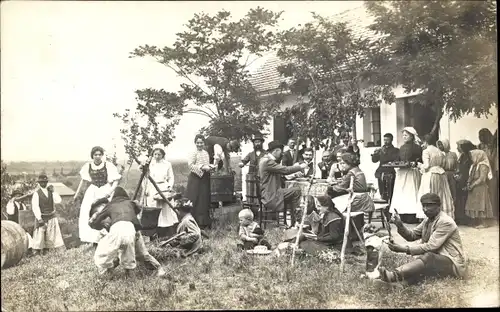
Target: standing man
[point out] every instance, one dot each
(274, 197)
(218, 149)
(288, 156)
(253, 158)
(326, 164)
(47, 234)
(386, 176)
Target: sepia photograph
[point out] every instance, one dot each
(249, 155)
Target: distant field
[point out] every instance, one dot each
(129, 181)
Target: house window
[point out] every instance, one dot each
(376, 135)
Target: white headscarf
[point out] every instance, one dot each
(479, 157)
(414, 133)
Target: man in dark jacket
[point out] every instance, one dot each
(289, 158)
(119, 217)
(218, 149)
(386, 176)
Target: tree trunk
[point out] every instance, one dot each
(435, 128)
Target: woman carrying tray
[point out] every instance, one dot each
(407, 182)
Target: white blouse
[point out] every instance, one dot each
(162, 172)
(111, 169)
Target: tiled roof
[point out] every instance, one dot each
(267, 78)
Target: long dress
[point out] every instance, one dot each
(490, 151)
(478, 204)
(450, 166)
(361, 200)
(162, 173)
(434, 180)
(198, 188)
(463, 168)
(100, 177)
(405, 195)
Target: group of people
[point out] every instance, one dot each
(436, 179)
(467, 185)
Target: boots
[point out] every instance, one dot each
(407, 272)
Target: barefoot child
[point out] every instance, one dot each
(250, 232)
(124, 239)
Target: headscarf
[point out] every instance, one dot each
(350, 159)
(466, 145)
(479, 157)
(160, 147)
(446, 145)
(413, 132)
(486, 135)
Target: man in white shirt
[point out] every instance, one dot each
(14, 206)
(309, 170)
(47, 234)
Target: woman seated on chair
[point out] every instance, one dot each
(330, 230)
(339, 192)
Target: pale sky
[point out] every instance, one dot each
(65, 69)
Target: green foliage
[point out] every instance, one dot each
(447, 49)
(212, 58)
(328, 68)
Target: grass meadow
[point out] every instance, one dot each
(225, 278)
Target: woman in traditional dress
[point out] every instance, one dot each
(103, 178)
(434, 179)
(161, 171)
(478, 206)
(198, 185)
(461, 177)
(339, 192)
(488, 145)
(330, 229)
(405, 195)
(450, 166)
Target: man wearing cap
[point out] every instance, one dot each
(218, 149)
(47, 234)
(440, 252)
(274, 197)
(14, 206)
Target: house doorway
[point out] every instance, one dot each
(419, 116)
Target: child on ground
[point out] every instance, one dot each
(250, 232)
(123, 239)
(188, 239)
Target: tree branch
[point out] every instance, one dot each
(199, 112)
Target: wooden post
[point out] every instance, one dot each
(347, 225)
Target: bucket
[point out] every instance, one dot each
(149, 217)
(221, 188)
(251, 191)
(14, 243)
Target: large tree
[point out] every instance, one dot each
(212, 57)
(327, 67)
(446, 49)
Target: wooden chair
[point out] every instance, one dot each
(265, 216)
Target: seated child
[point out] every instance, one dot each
(189, 239)
(123, 239)
(250, 232)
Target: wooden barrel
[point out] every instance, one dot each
(251, 191)
(14, 243)
(221, 188)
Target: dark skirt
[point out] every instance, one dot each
(198, 192)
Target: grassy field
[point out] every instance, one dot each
(225, 278)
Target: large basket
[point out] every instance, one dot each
(221, 188)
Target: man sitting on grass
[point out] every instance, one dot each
(123, 239)
(440, 251)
